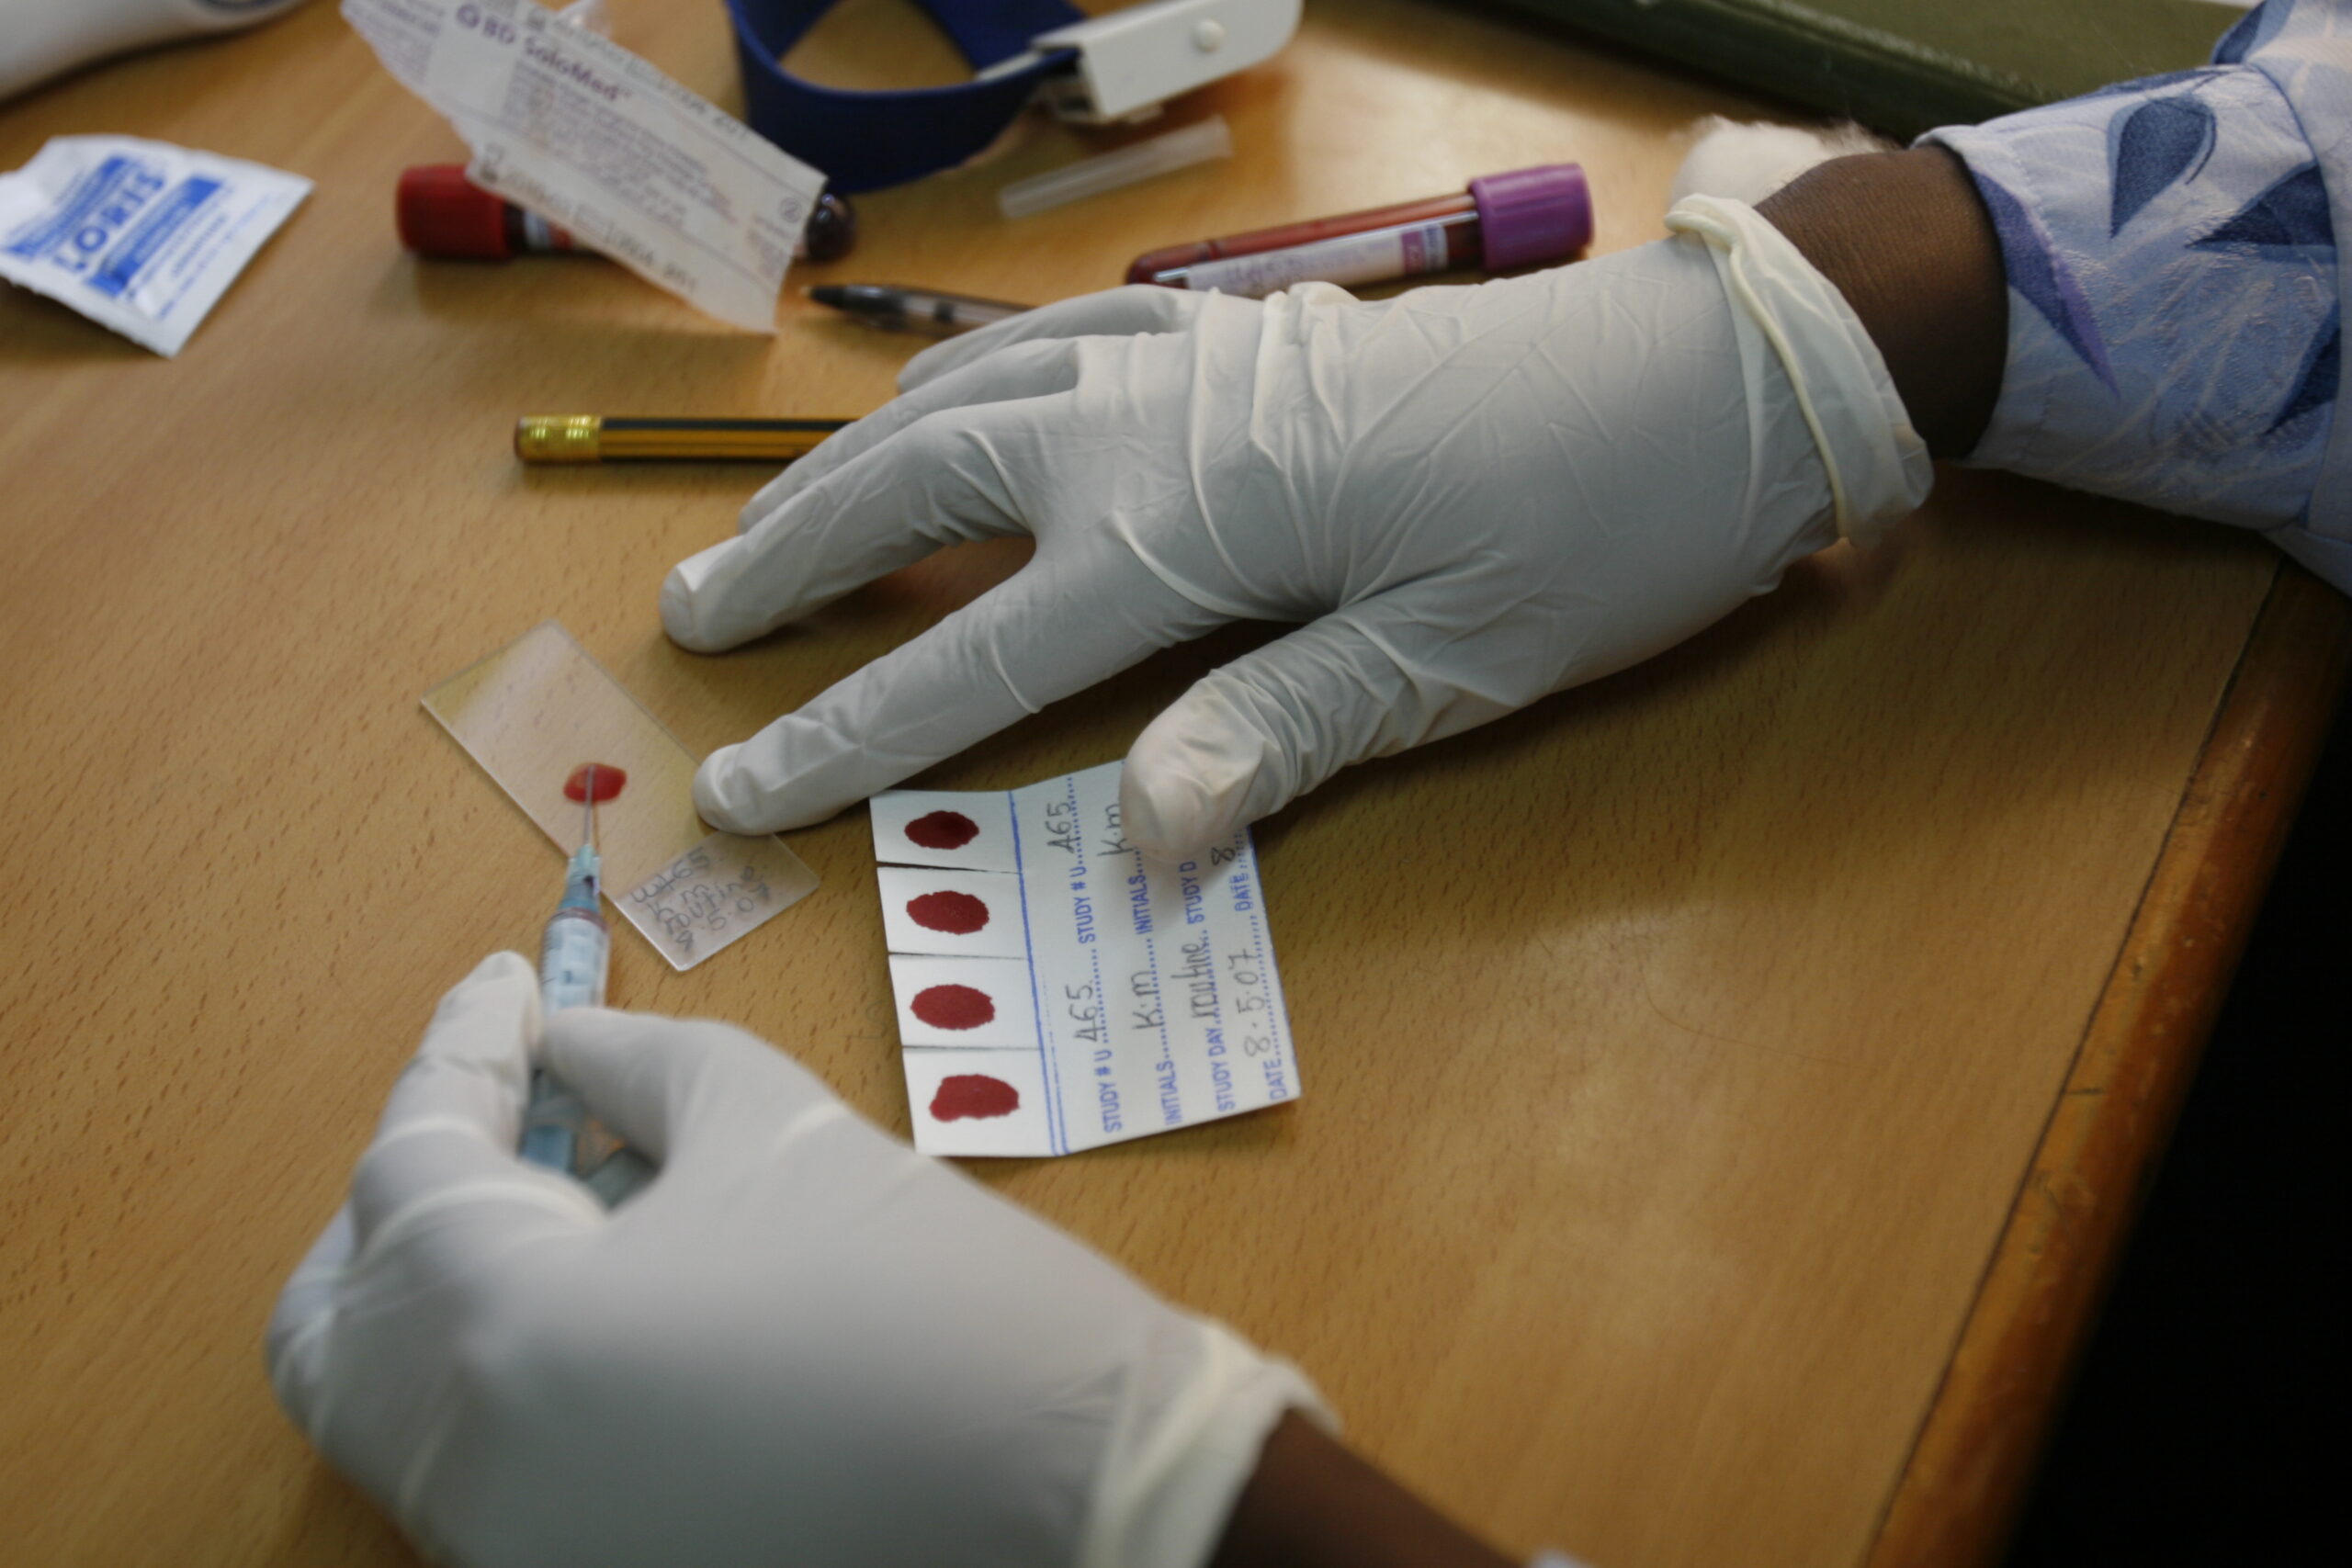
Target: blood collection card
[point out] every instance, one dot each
(1055, 990)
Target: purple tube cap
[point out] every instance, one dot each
(1528, 216)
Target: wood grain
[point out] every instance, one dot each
(1671, 1051)
(1967, 1476)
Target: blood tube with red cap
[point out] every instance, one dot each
(441, 213)
(1525, 217)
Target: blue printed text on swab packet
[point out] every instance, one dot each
(138, 236)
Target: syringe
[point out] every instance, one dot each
(574, 953)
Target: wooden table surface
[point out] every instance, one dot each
(1676, 1053)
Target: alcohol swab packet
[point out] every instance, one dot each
(142, 237)
(1058, 991)
(572, 127)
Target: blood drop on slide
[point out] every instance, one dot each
(975, 1095)
(953, 1007)
(957, 914)
(609, 782)
(942, 830)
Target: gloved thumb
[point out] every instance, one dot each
(1250, 738)
(687, 1094)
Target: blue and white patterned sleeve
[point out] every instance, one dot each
(2175, 308)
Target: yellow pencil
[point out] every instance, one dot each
(592, 438)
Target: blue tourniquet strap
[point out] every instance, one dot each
(867, 141)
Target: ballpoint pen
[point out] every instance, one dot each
(897, 309)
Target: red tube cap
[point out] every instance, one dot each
(440, 214)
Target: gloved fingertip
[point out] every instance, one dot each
(294, 1357)
(503, 981)
(686, 601)
(584, 1024)
(502, 967)
(293, 1346)
(590, 1033)
(723, 796)
(636, 1072)
(1188, 785)
(1169, 820)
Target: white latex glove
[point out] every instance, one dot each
(1474, 497)
(39, 39)
(802, 1343)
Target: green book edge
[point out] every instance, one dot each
(1903, 67)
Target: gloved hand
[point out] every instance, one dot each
(40, 39)
(1472, 496)
(803, 1343)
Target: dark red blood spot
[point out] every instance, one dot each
(957, 914)
(942, 830)
(974, 1095)
(609, 782)
(953, 1007)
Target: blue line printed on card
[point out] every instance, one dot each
(1028, 945)
(1221, 1032)
(1102, 1005)
(1036, 993)
(1279, 1005)
(1102, 1000)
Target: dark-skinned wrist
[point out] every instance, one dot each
(1312, 1503)
(1906, 241)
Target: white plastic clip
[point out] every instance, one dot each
(1133, 60)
